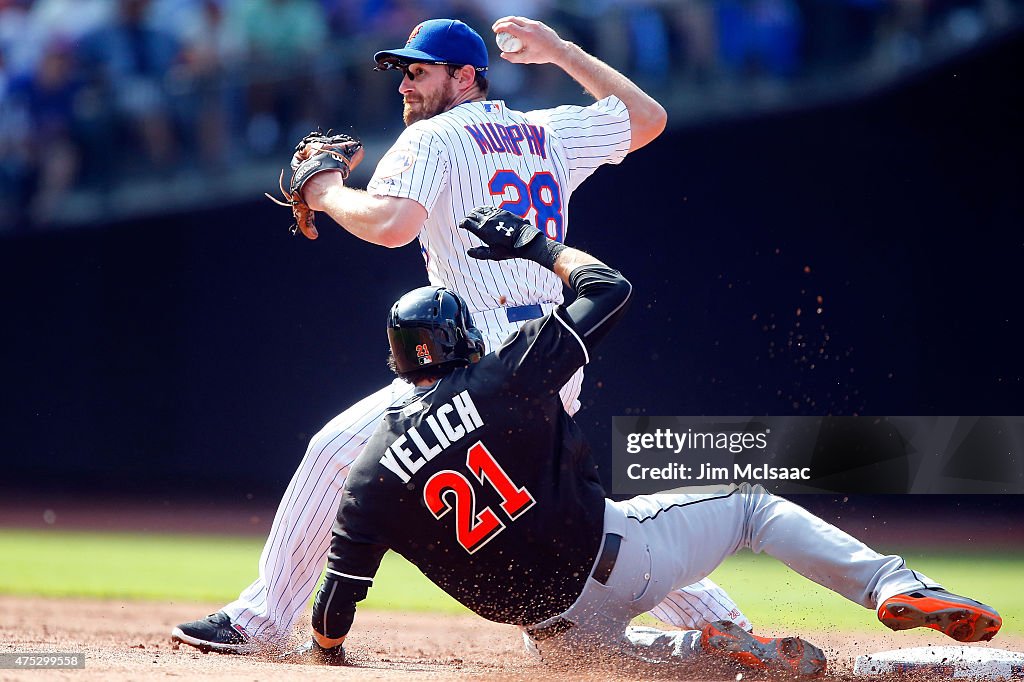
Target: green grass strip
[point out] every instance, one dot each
(215, 569)
(173, 568)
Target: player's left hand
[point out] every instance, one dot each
(316, 153)
(311, 652)
(541, 45)
(505, 234)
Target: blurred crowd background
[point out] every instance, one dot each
(114, 108)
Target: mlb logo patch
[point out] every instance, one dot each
(492, 107)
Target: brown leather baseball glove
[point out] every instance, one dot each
(315, 153)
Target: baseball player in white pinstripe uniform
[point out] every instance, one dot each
(459, 150)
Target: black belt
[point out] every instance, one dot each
(602, 571)
(606, 562)
(519, 313)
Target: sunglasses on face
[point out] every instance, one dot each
(403, 66)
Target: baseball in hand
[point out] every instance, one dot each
(508, 42)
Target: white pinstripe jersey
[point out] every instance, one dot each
(482, 153)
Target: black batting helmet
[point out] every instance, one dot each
(431, 327)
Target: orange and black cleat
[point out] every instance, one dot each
(781, 654)
(963, 619)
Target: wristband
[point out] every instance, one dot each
(543, 251)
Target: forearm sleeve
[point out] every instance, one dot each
(602, 295)
(335, 606)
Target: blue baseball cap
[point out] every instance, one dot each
(438, 41)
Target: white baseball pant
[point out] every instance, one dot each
(669, 540)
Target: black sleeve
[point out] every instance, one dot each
(545, 352)
(335, 606)
(602, 295)
(352, 560)
(350, 570)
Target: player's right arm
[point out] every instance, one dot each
(601, 292)
(541, 45)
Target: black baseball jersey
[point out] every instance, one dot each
(483, 481)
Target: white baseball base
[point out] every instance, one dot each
(958, 662)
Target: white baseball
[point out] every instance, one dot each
(508, 42)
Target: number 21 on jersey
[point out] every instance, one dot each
(447, 490)
(541, 194)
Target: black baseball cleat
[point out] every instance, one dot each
(963, 619)
(726, 640)
(213, 633)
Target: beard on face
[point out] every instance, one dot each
(430, 104)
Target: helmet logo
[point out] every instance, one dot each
(415, 32)
(423, 354)
(507, 230)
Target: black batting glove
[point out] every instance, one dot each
(506, 236)
(311, 651)
(332, 656)
(504, 233)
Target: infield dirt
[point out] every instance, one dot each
(124, 640)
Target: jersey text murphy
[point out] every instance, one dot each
(494, 137)
(401, 460)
